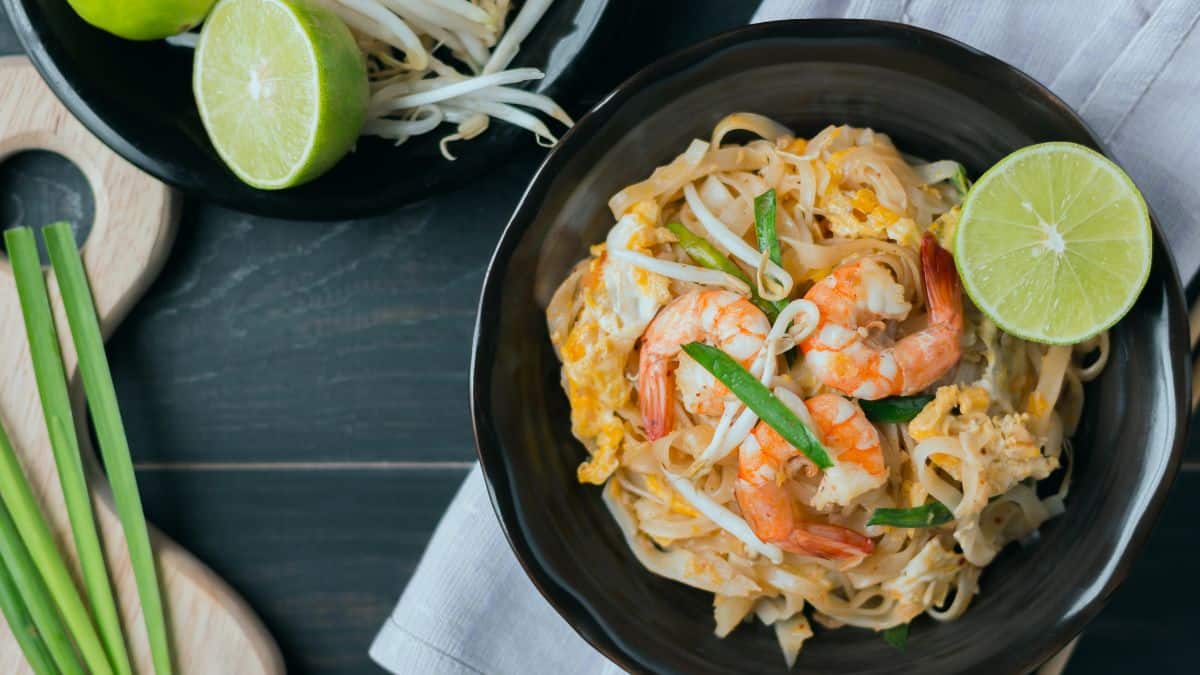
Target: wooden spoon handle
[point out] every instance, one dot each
(213, 631)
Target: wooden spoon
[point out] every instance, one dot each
(213, 631)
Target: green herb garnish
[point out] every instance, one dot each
(764, 226)
(29, 609)
(930, 514)
(110, 431)
(60, 422)
(895, 409)
(39, 542)
(703, 253)
(896, 636)
(759, 399)
(960, 181)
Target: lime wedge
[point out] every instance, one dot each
(281, 87)
(142, 19)
(1054, 243)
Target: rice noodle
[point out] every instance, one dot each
(999, 423)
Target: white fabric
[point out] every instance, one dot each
(470, 609)
(1132, 69)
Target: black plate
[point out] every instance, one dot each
(936, 98)
(137, 98)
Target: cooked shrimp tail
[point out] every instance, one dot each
(943, 291)
(655, 383)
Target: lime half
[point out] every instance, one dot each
(1054, 243)
(142, 19)
(281, 87)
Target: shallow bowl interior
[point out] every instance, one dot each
(936, 99)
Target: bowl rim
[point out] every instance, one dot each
(487, 443)
(46, 55)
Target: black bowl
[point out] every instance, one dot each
(137, 98)
(936, 98)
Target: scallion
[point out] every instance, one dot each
(21, 503)
(110, 431)
(930, 514)
(960, 181)
(703, 253)
(764, 226)
(29, 609)
(896, 636)
(760, 400)
(895, 409)
(56, 407)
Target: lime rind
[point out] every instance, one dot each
(333, 90)
(984, 243)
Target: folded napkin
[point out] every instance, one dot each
(1129, 67)
(470, 608)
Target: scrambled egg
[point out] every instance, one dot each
(934, 569)
(1002, 446)
(676, 504)
(618, 301)
(860, 215)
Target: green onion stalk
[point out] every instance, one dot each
(110, 431)
(60, 423)
(22, 505)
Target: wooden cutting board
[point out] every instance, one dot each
(213, 631)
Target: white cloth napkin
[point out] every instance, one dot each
(470, 608)
(1130, 67)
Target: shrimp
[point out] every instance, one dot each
(767, 504)
(863, 293)
(721, 318)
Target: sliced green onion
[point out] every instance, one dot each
(21, 625)
(759, 399)
(60, 422)
(23, 506)
(960, 181)
(29, 609)
(110, 431)
(706, 255)
(895, 409)
(764, 226)
(931, 514)
(947, 170)
(896, 636)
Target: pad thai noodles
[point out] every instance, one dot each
(787, 398)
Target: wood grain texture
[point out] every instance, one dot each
(276, 341)
(130, 237)
(322, 555)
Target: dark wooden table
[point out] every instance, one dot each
(296, 396)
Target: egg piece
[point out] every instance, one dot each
(618, 301)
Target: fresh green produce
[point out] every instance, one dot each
(705, 254)
(110, 431)
(60, 423)
(39, 541)
(896, 636)
(1054, 243)
(282, 89)
(895, 409)
(28, 607)
(931, 514)
(143, 19)
(759, 399)
(764, 226)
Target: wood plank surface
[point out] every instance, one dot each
(321, 555)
